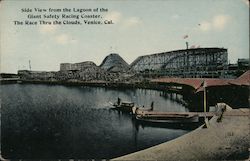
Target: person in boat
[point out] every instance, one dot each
(118, 101)
(152, 106)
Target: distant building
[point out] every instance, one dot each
(83, 71)
(8, 75)
(243, 64)
(36, 75)
(76, 66)
(65, 66)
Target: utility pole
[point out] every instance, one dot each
(186, 64)
(205, 104)
(29, 65)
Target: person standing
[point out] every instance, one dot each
(152, 105)
(118, 101)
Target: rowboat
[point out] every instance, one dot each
(124, 106)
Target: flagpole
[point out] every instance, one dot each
(205, 104)
(205, 101)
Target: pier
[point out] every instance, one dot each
(238, 112)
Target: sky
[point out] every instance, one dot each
(139, 28)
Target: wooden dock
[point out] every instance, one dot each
(221, 107)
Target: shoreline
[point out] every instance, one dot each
(107, 84)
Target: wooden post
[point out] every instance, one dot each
(205, 104)
(205, 100)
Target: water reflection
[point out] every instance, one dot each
(175, 97)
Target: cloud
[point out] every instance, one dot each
(64, 39)
(115, 16)
(132, 21)
(126, 22)
(175, 16)
(218, 22)
(47, 29)
(60, 38)
(205, 26)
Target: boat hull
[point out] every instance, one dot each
(168, 125)
(167, 119)
(124, 106)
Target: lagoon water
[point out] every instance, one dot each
(52, 122)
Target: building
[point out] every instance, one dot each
(243, 64)
(65, 66)
(76, 66)
(37, 75)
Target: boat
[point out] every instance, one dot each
(124, 106)
(166, 117)
(135, 109)
(177, 125)
(177, 118)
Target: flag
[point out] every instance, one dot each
(185, 36)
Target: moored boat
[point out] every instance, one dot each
(124, 106)
(136, 110)
(168, 118)
(148, 115)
